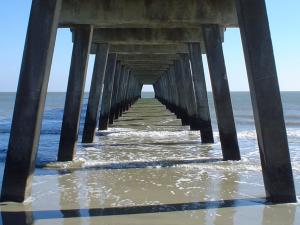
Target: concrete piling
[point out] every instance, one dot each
(202, 120)
(75, 91)
(124, 90)
(266, 100)
(115, 93)
(124, 78)
(221, 93)
(180, 83)
(96, 90)
(119, 93)
(174, 91)
(30, 100)
(189, 97)
(107, 91)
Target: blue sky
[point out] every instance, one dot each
(284, 20)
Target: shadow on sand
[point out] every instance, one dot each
(28, 217)
(128, 165)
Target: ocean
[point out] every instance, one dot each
(148, 158)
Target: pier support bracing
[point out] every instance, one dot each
(266, 100)
(30, 100)
(202, 119)
(70, 125)
(93, 109)
(221, 92)
(107, 91)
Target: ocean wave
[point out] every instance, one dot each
(252, 133)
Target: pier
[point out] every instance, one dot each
(139, 42)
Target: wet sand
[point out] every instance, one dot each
(148, 169)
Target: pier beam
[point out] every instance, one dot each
(266, 100)
(221, 93)
(93, 109)
(70, 125)
(107, 91)
(202, 120)
(30, 100)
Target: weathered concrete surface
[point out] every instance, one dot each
(148, 67)
(115, 92)
(174, 90)
(202, 120)
(266, 101)
(70, 125)
(123, 90)
(93, 109)
(146, 63)
(107, 91)
(188, 87)
(149, 64)
(30, 100)
(118, 93)
(151, 14)
(146, 56)
(181, 86)
(221, 93)
(147, 49)
(147, 36)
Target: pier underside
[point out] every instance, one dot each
(138, 42)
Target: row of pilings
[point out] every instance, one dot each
(170, 60)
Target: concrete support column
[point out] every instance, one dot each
(70, 125)
(221, 93)
(107, 91)
(162, 88)
(202, 119)
(189, 91)
(124, 90)
(266, 100)
(119, 93)
(178, 110)
(181, 87)
(165, 91)
(171, 91)
(96, 90)
(175, 90)
(30, 100)
(127, 94)
(115, 93)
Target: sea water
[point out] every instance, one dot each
(148, 159)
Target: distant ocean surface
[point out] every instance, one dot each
(242, 110)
